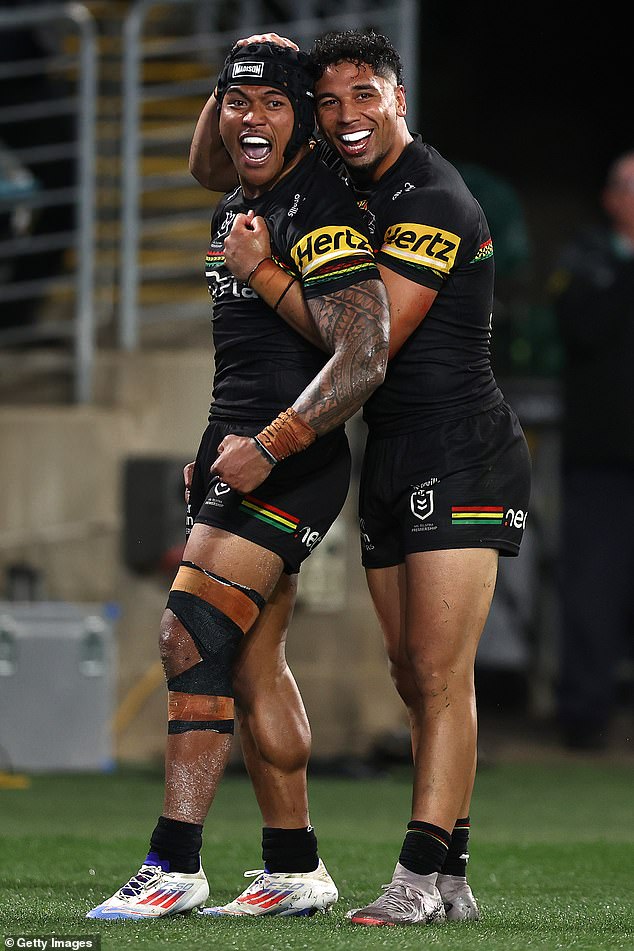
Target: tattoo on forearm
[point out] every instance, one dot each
(354, 325)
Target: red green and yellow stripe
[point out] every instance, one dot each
(484, 251)
(339, 269)
(430, 833)
(269, 514)
(477, 514)
(214, 258)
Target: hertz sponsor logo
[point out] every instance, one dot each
(422, 245)
(327, 244)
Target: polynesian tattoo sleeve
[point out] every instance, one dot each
(354, 326)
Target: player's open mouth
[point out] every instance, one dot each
(255, 148)
(354, 143)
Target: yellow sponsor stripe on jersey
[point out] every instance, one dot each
(415, 258)
(423, 245)
(327, 244)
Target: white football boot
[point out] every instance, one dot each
(285, 894)
(409, 899)
(155, 892)
(458, 899)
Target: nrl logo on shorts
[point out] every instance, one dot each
(422, 503)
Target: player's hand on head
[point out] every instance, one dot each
(240, 464)
(246, 245)
(267, 38)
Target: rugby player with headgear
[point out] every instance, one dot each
(445, 482)
(270, 477)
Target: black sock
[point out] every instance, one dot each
(289, 850)
(424, 847)
(179, 843)
(458, 854)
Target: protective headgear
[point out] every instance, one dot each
(267, 64)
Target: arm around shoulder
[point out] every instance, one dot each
(409, 304)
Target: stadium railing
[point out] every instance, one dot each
(70, 79)
(130, 80)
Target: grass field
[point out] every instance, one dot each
(552, 860)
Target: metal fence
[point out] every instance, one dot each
(47, 196)
(120, 204)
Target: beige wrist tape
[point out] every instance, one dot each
(286, 435)
(270, 282)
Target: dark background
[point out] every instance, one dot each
(540, 97)
(540, 94)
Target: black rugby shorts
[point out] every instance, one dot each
(291, 511)
(461, 484)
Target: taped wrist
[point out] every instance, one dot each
(264, 451)
(215, 613)
(270, 282)
(286, 435)
(256, 268)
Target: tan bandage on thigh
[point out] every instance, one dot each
(195, 707)
(231, 601)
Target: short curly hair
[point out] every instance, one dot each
(355, 46)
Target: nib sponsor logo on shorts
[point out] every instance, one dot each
(308, 537)
(422, 505)
(515, 518)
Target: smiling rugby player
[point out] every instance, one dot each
(276, 426)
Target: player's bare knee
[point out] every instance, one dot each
(404, 682)
(176, 647)
(440, 685)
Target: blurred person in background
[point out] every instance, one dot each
(593, 293)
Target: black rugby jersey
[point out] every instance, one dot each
(317, 235)
(427, 226)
